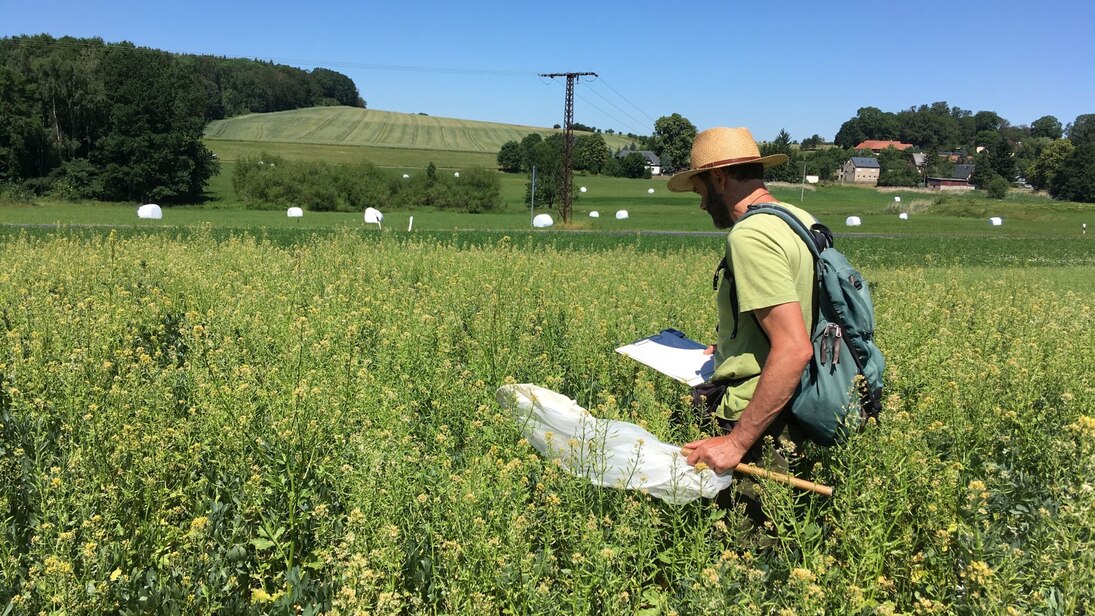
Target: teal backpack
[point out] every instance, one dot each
(845, 374)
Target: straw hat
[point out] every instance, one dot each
(722, 147)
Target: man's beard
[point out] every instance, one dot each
(719, 210)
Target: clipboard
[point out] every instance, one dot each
(674, 355)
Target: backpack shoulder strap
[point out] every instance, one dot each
(817, 237)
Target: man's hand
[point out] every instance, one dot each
(720, 453)
(710, 350)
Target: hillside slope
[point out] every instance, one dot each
(352, 126)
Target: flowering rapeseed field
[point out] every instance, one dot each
(202, 424)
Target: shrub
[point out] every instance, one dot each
(269, 182)
(997, 187)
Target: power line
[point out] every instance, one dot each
(639, 122)
(407, 68)
(609, 86)
(614, 118)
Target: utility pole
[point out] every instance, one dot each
(568, 135)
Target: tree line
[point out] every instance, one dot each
(1045, 154)
(590, 154)
(88, 119)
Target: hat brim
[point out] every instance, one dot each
(682, 182)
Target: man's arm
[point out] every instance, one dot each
(791, 351)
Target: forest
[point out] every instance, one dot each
(112, 121)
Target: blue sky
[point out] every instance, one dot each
(802, 66)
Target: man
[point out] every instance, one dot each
(765, 301)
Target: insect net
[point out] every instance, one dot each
(608, 453)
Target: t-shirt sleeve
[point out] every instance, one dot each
(762, 271)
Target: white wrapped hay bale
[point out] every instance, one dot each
(996, 221)
(853, 221)
(594, 214)
(150, 211)
(373, 216)
(542, 221)
(622, 215)
(294, 212)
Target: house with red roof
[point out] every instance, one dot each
(876, 145)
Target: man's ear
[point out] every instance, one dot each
(721, 178)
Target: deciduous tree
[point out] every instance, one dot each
(1075, 180)
(24, 141)
(590, 153)
(868, 123)
(153, 149)
(547, 157)
(528, 147)
(632, 166)
(673, 137)
(1046, 126)
(509, 157)
(1003, 161)
(896, 168)
(1049, 162)
(1082, 130)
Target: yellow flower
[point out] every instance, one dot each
(711, 575)
(259, 595)
(56, 565)
(117, 573)
(805, 575)
(978, 572)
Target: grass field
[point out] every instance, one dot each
(228, 150)
(351, 126)
(1025, 215)
(213, 420)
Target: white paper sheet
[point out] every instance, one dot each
(673, 354)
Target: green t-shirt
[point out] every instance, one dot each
(771, 266)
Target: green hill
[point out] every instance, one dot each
(351, 126)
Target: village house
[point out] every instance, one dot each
(959, 180)
(860, 170)
(650, 159)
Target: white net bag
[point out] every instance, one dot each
(609, 453)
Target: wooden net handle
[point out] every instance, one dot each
(763, 473)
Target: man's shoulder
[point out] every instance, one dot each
(755, 219)
(769, 225)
